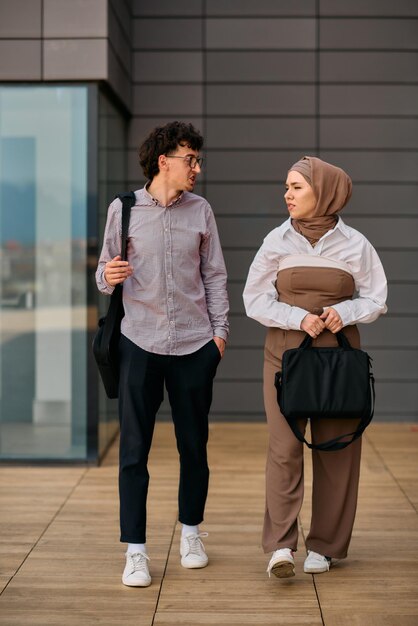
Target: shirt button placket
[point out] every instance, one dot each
(169, 283)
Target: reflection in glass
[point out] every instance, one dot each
(112, 180)
(43, 216)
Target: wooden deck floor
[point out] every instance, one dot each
(61, 562)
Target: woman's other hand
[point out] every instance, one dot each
(332, 320)
(312, 324)
(116, 271)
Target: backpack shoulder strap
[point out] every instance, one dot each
(128, 201)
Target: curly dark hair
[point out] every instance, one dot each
(166, 139)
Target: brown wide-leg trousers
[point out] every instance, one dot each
(335, 474)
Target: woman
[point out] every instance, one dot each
(316, 275)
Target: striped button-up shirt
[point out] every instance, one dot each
(176, 300)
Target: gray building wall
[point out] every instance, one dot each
(58, 40)
(266, 81)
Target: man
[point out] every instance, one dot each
(173, 333)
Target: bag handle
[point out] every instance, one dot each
(341, 338)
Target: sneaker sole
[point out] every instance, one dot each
(283, 569)
(136, 584)
(316, 571)
(194, 565)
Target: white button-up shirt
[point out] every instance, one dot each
(342, 247)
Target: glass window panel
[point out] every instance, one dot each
(43, 217)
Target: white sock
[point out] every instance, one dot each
(137, 547)
(189, 530)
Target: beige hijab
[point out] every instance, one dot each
(332, 188)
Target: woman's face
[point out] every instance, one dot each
(299, 196)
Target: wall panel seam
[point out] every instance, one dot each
(373, 150)
(42, 40)
(204, 90)
(268, 83)
(22, 38)
(272, 181)
(119, 60)
(84, 38)
(122, 27)
(196, 49)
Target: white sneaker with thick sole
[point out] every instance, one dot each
(192, 551)
(136, 573)
(316, 563)
(282, 563)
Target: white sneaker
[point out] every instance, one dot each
(136, 573)
(282, 563)
(316, 563)
(192, 551)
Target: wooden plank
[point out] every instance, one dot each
(30, 497)
(244, 617)
(376, 584)
(72, 573)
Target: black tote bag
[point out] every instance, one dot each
(326, 383)
(106, 339)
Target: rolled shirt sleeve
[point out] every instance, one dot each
(111, 244)
(371, 285)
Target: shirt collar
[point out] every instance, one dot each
(343, 228)
(151, 201)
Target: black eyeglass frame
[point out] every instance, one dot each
(189, 159)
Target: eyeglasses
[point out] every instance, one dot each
(191, 161)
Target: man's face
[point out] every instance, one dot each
(180, 173)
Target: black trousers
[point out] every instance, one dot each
(188, 380)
